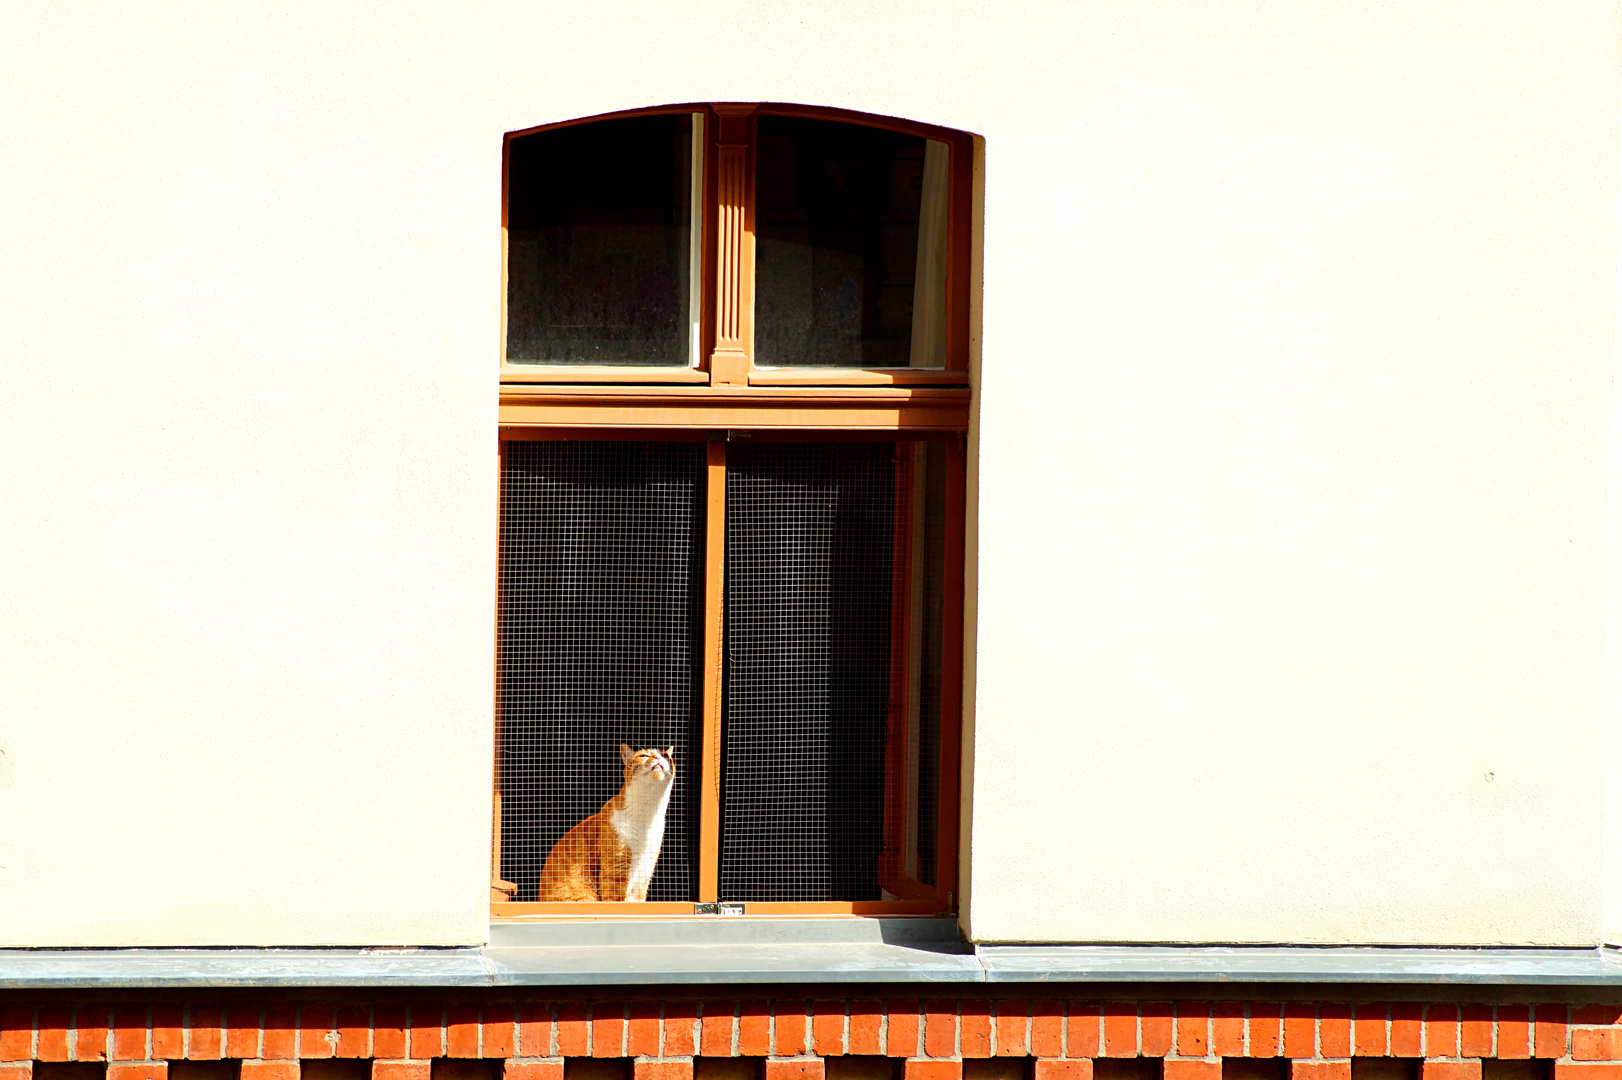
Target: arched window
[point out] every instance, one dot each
(734, 391)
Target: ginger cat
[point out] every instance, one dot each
(611, 854)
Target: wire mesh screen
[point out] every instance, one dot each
(807, 669)
(601, 592)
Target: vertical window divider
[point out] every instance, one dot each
(949, 812)
(734, 247)
(709, 811)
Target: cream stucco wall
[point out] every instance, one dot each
(1328, 548)
(1295, 377)
(1612, 738)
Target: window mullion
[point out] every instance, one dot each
(709, 811)
(734, 248)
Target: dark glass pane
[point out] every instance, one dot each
(807, 670)
(599, 243)
(601, 590)
(841, 279)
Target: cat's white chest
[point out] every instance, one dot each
(640, 825)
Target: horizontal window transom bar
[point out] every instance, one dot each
(877, 409)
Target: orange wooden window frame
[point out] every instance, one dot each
(725, 395)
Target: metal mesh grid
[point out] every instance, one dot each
(807, 669)
(601, 592)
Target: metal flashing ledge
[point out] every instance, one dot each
(45, 969)
(1300, 964)
(732, 949)
(739, 950)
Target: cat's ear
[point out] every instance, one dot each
(670, 752)
(626, 753)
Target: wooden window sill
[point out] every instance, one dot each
(857, 377)
(502, 911)
(527, 374)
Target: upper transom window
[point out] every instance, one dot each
(737, 244)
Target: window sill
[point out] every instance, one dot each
(508, 911)
(810, 376)
(735, 950)
(539, 375)
(519, 375)
(731, 949)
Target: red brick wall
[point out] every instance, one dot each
(530, 1037)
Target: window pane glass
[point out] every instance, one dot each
(832, 594)
(850, 231)
(601, 252)
(601, 592)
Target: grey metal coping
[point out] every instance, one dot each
(735, 950)
(1300, 964)
(43, 969)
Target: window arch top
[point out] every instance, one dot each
(737, 245)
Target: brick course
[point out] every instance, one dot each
(793, 1038)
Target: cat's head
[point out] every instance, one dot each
(656, 764)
